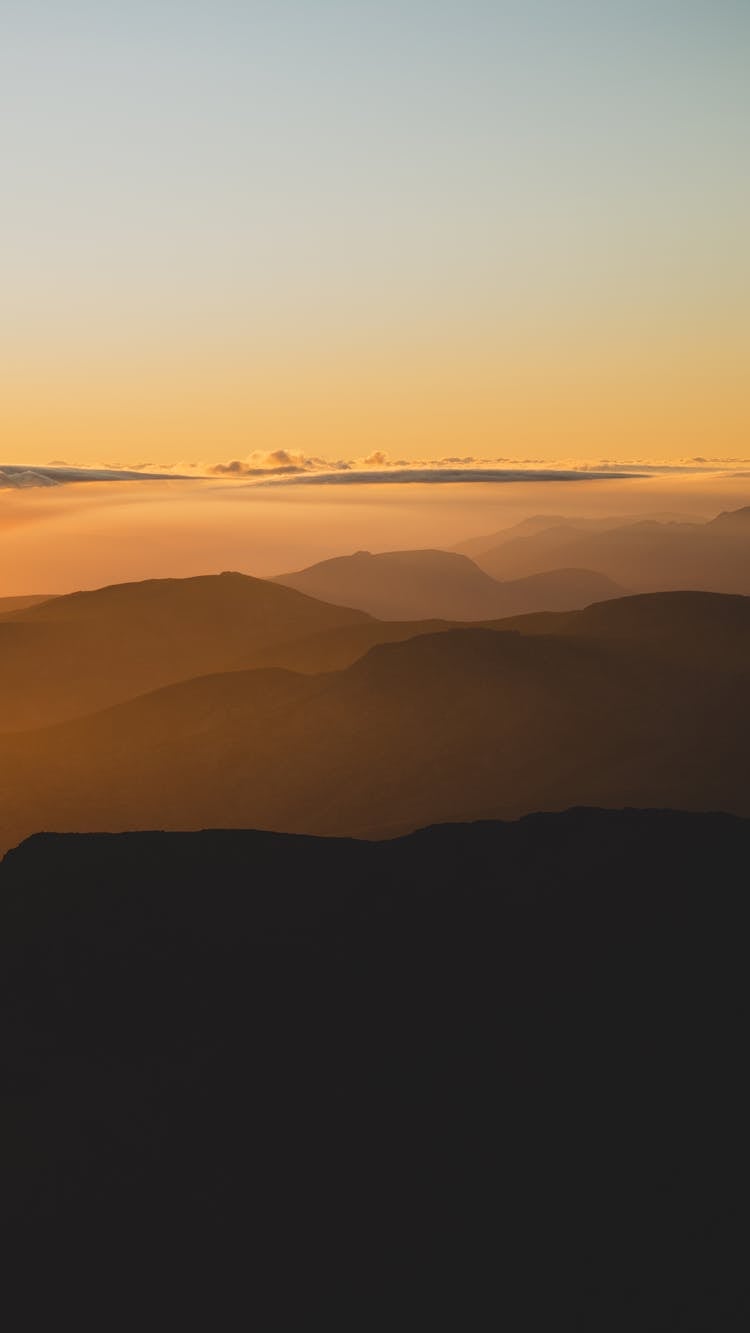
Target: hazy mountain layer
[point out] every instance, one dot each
(539, 523)
(644, 557)
(81, 652)
(9, 604)
(462, 724)
(421, 585)
(485, 1074)
(689, 628)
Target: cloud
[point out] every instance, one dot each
(23, 479)
(285, 467)
(429, 475)
(377, 468)
(18, 477)
(280, 462)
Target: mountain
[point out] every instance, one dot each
(462, 724)
(689, 628)
(537, 524)
(556, 590)
(541, 523)
(84, 651)
(8, 604)
(732, 521)
(645, 557)
(423, 585)
(334, 649)
(484, 1073)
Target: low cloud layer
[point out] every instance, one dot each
(282, 467)
(378, 468)
(414, 474)
(24, 478)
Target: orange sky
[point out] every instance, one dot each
(544, 396)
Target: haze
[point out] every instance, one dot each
(82, 536)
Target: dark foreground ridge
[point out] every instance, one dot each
(488, 1074)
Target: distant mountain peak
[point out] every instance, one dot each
(732, 518)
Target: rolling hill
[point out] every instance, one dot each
(10, 604)
(644, 557)
(467, 723)
(689, 628)
(424, 585)
(84, 651)
(537, 524)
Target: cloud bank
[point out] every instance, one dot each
(281, 467)
(24, 478)
(436, 474)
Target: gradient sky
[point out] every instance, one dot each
(424, 226)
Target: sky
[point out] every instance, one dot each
(342, 227)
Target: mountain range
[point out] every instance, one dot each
(637, 701)
(87, 650)
(646, 556)
(227, 700)
(69, 655)
(424, 584)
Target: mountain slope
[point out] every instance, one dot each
(424, 584)
(463, 724)
(538, 524)
(10, 604)
(645, 556)
(692, 629)
(84, 651)
(736, 521)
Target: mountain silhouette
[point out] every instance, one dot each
(461, 724)
(486, 1073)
(732, 521)
(334, 649)
(538, 524)
(425, 584)
(690, 628)
(83, 651)
(9, 604)
(647, 556)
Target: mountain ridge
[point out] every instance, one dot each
(82, 651)
(452, 725)
(645, 556)
(433, 584)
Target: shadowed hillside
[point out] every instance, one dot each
(461, 724)
(334, 649)
(84, 651)
(422, 585)
(690, 628)
(485, 1073)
